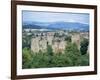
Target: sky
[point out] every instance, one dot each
(43, 16)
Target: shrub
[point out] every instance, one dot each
(84, 46)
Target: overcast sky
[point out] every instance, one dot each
(55, 17)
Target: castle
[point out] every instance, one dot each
(58, 44)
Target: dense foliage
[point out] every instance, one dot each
(84, 46)
(72, 56)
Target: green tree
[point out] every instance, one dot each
(49, 52)
(56, 34)
(26, 58)
(68, 38)
(84, 46)
(84, 60)
(49, 49)
(72, 54)
(26, 41)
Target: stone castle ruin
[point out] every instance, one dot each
(58, 44)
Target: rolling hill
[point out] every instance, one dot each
(57, 25)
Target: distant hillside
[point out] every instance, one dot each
(31, 26)
(57, 25)
(69, 26)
